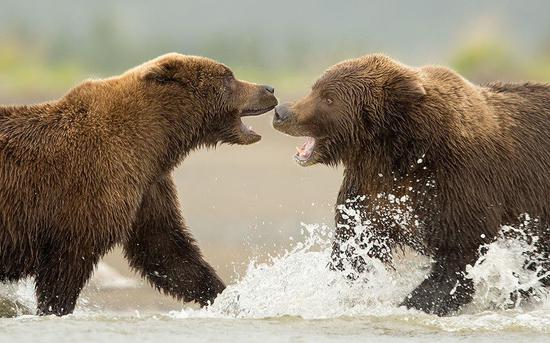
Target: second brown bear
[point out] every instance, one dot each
(431, 161)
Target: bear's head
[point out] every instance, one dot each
(201, 99)
(357, 106)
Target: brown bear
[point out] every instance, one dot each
(91, 170)
(457, 159)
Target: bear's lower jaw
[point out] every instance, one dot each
(246, 135)
(238, 134)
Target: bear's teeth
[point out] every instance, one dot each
(306, 150)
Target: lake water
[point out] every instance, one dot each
(295, 298)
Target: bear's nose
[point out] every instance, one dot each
(269, 89)
(281, 113)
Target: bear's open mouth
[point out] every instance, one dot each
(305, 152)
(255, 111)
(247, 135)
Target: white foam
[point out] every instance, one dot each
(298, 283)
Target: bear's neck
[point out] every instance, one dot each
(371, 173)
(182, 139)
(162, 142)
(118, 124)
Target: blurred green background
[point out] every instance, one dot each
(248, 202)
(50, 45)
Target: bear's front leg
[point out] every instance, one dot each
(60, 277)
(161, 249)
(347, 253)
(354, 243)
(444, 291)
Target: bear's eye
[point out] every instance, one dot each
(164, 79)
(229, 83)
(328, 100)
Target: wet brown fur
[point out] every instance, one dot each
(91, 170)
(470, 158)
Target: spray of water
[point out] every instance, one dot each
(298, 283)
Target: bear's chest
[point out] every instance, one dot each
(397, 211)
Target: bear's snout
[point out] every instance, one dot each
(282, 113)
(269, 89)
(285, 120)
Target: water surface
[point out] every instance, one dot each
(294, 297)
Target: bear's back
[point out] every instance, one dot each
(518, 157)
(527, 105)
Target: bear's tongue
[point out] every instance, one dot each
(304, 152)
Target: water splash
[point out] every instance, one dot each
(500, 279)
(298, 283)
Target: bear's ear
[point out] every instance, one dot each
(405, 90)
(163, 72)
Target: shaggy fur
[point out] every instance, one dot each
(92, 170)
(466, 158)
